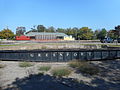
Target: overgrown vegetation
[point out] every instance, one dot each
(25, 64)
(44, 68)
(84, 67)
(74, 64)
(88, 69)
(59, 72)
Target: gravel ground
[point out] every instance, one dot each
(31, 46)
(13, 77)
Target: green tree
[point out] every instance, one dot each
(102, 34)
(61, 30)
(41, 28)
(85, 33)
(32, 30)
(20, 31)
(72, 31)
(112, 34)
(6, 34)
(96, 32)
(117, 31)
(68, 31)
(51, 29)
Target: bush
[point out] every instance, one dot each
(88, 69)
(61, 72)
(84, 67)
(76, 63)
(44, 68)
(25, 64)
(73, 64)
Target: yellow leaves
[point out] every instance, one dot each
(6, 34)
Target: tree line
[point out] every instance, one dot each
(83, 33)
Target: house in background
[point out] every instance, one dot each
(44, 36)
(48, 36)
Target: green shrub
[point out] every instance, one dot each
(84, 67)
(25, 64)
(61, 72)
(73, 64)
(76, 63)
(44, 68)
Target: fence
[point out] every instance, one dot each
(59, 55)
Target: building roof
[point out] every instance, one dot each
(44, 33)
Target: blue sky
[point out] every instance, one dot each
(95, 14)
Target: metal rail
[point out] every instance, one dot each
(59, 55)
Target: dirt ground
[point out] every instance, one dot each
(13, 77)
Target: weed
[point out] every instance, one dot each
(59, 72)
(84, 67)
(74, 63)
(44, 68)
(25, 64)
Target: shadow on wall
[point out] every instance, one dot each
(47, 82)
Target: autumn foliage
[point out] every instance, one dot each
(6, 34)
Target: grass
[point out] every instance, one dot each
(59, 72)
(74, 63)
(84, 67)
(114, 45)
(7, 45)
(88, 69)
(43, 47)
(77, 63)
(44, 68)
(25, 64)
(41, 73)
